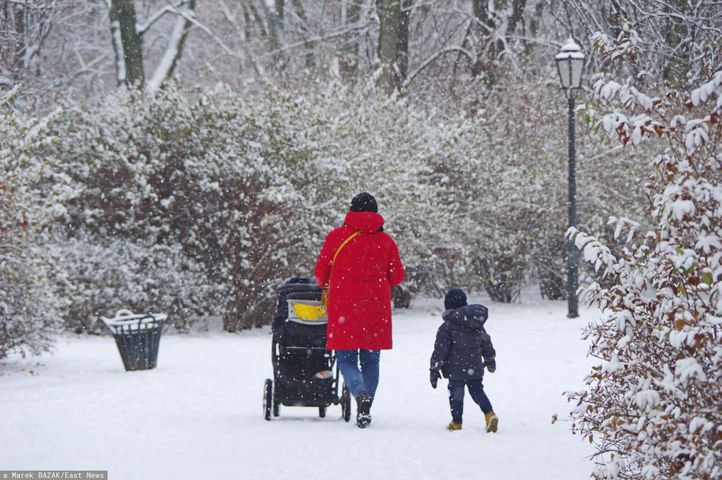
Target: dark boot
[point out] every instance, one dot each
(363, 410)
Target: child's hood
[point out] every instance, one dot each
(469, 317)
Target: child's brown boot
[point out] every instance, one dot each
(453, 426)
(492, 422)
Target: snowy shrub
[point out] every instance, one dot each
(200, 206)
(652, 407)
(30, 199)
(504, 179)
(101, 276)
(28, 314)
(179, 201)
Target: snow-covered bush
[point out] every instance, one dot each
(31, 198)
(180, 208)
(475, 200)
(652, 407)
(504, 176)
(202, 205)
(98, 276)
(217, 196)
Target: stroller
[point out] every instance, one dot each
(305, 374)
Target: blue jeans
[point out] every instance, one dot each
(363, 379)
(456, 397)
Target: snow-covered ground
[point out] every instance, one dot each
(198, 414)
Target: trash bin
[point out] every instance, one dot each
(137, 337)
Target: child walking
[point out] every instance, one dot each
(461, 351)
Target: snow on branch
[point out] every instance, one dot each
(186, 14)
(593, 250)
(714, 86)
(659, 335)
(119, 52)
(142, 28)
(430, 60)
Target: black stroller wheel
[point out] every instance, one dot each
(322, 412)
(345, 404)
(267, 398)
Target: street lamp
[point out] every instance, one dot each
(570, 64)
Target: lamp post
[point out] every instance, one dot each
(570, 64)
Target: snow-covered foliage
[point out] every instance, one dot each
(200, 205)
(507, 189)
(652, 406)
(98, 276)
(178, 209)
(29, 312)
(674, 43)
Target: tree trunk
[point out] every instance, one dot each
(517, 11)
(20, 44)
(482, 28)
(257, 19)
(534, 23)
(127, 43)
(403, 40)
(488, 50)
(349, 60)
(301, 13)
(274, 17)
(280, 7)
(677, 35)
(247, 23)
(390, 18)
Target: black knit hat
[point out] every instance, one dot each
(364, 202)
(454, 298)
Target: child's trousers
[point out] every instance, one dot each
(456, 397)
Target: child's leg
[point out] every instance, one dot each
(476, 389)
(456, 399)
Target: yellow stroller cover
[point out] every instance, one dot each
(307, 311)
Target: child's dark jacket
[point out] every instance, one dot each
(462, 344)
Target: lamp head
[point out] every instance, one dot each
(570, 65)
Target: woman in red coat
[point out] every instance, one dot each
(359, 302)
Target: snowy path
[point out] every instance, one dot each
(198, 415)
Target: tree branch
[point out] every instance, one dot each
(185, 12)
(141, 29)
(431, 59)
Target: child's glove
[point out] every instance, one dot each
(491, 365)
(435, 372)
(434, 377)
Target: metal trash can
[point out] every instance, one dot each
(137, 337)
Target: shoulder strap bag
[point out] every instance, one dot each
(324, 293)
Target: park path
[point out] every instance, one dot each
(198, 414)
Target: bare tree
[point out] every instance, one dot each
(678, 39)
(393, 43)
(127, 36)
(349, 58)
(490, 32)
(24, 26)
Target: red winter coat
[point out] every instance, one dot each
(359, 305)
